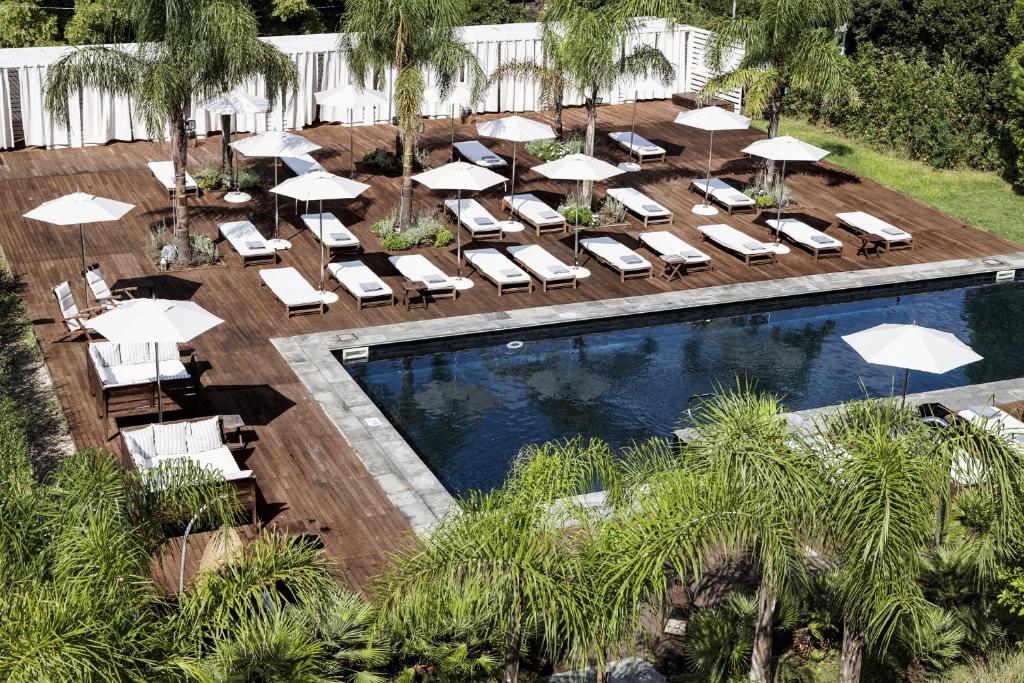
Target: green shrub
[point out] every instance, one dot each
(577, 215)
(424, 229)
(550, 150)
(382, 161)
(396, 241)
(765, 201)
(204, 250)
(210, 179)
(384, 226)
(612, 212)
(443, 238)
(247, 179)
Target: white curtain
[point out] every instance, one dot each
(6, 115)
(40, 128)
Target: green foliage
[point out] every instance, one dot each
(576, 214)
(550, 150)
(95, 22)
(203, 250)
(612, 212)
(443, 238)
(396, 241)
(1011, 81)
(210, 179)
(499, 12)
(719, 639)
(425, 228)
(298, 12)
(24, 24)
(382, 161)
(247, 179)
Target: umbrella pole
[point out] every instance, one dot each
(458, 235)
(275, 199)
(778, 212)
(632, 123)
(906, 381)
(85, 279)
(576, 243)
(321, 249)
(707, 186)
(452, 155)
(159, 391)
(512, 198)
(351, 146)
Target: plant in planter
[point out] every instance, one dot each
(247, 179)
(425, 229)
(550, 150)
(769, 200)
(160, 247)
(577, 214)
(382, 161)
(612, 212)
(208, 179)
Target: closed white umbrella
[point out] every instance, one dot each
(318, 186)
(711, 119)
(911, 347)
(352, 97)
(155, 321)
(80, 208)
(459, 176)
(276, 144)
(581, 168)
(226, 105)
(515, 129)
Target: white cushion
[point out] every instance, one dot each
(97, 284)
(142, 373)
(221, 461)
(170, 439)
(134, 353)
(168, 352)
(204, 435)
(140, 445)
(108, 353)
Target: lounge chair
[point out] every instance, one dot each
(476, 219)
(336, 237)
(617, 256)
(887, 235)
(640, 205)
(362, 283)
(724, 194)
(164, 173)
(247, 242)
(416, 268)
(995, 419)
(676, 256)
(200, 441)
(477, 153)
(535, 212)
(105, 296)
(639, 147)
(291, 289)
(540, 263)
(499, 270)
(811, 239)
(302, 164)
(122, 376)
(71, 315)
(730, 239)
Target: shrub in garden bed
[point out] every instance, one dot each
(424, 229)
(161, 246)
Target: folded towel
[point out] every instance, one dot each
(371, 286)
(558, 270)
(511, 272)
(892, 231)
(341, 236)
(738, 198)
(692, 254)
(653, 208)
(550, 215)
(754, 246)
(673, 258)
(821, 239)
(434, 279)
(650, 148)
(482, 220)
(632, 259)
(490, 157)
(255, 244)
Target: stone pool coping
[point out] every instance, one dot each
(416, 491)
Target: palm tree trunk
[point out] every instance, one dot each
(588, 142)
(852, 654)
(761, 657)
(558, 116)
(225, 152)
(774, 117)
(179, 157)
(405, 208)
(513, 646)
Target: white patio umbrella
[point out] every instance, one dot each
(711, 119)
(784, 148)
(276, 144)
(318, 186)
(911, 347)
(80, 208)
(226, 105)
(581, 168)
(516, 129)
(155, 321)
(352, 97)
(459, 176)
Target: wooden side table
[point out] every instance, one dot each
(414, 295)
(871, 246)
(232, 426)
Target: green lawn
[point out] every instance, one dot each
(981, 199)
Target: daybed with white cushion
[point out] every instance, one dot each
(362, 283)
(163, 171)
(731, 199)
(247, 242)
(302, 164)
(477, 153)
(122, 376)
(617, 256)
(540, 263)
(640, 205)
(475, 218)
(535, 212)
(862, 223)
(811, 239)
(336, 237)
(753, 252)
(201, 442)
(416, 268)
(638, 146)
(499, 270)
(677, 257)
(73, 317)
(291, 289)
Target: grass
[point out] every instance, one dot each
(981, 199)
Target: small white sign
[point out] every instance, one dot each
(374, 422)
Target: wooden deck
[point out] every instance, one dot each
(309, 480)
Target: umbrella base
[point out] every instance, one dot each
(629, 166)
(329, 297)
(779, 248)
(462, 283)
(580, 272)
(705, 210)
(279, 244)
(237, 197)
(512, 226)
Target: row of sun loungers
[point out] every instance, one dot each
(637, 146)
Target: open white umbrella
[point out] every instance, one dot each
(459, 176)
(79, 208)
(515, 129)
(352, 97)
(155, 321)
(318, 186)
(911, 347)
(581, 168)
(711, 119)
(226, 105)
(276, 144)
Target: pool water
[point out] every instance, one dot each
(468, 412)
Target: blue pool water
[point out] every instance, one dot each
(468, 412)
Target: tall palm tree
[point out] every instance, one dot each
(550, 80)
(184, 49)
(787, 46)
(413, 37)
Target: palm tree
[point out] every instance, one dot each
(194, 48)
(413, 37)
(550, 80)
(788, 46)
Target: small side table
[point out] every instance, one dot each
(414, 295)
(871, 246)
(232, 426)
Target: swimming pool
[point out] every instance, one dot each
(467, 407)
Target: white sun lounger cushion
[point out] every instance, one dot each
(995, 418)
(669, 246)
(478, 153)
(335, 234)
(245, 238)
(356, 277)
(472, 215)
(874, 226)
(731, 238)
(290, 287)
(164, 172)
(723, 192)
(616, 252)
(496, 265)
(417, 268)
(638, 202)
(535, 209)
(538, 259)
(302, 164)
(798, 231)
(637, 143)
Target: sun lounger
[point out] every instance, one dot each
(477, 153)
(617, 256)
(995, 419)
(122, 376)
(102, 293)
(71, 315)
(416, 268)
(535, 212)
(811, 239)
(677, 257)
(724, 194)
(362, 283)
(889, 236)
(475, 218)
(638, 146)
(291, 289)
(499, 270)
(640, 205)
(302, 164)
(336, 237)
(164, 173)
(747, 248)
(247, 242)
(540, 263)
